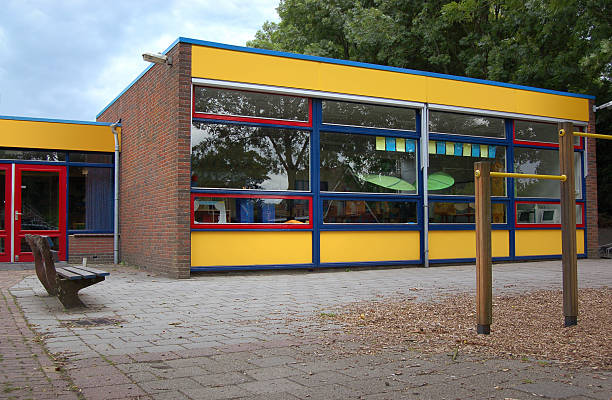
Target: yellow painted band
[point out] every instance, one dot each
(545, 242)
(445, 245)
(217, 248)
(56, 136)
(363, 246)
(228, 65)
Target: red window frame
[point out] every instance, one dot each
(263, 120)
(540, 144)
(532, 225)
(195, 225)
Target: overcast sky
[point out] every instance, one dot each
(68, 59)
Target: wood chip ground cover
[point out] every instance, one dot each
(524, 325)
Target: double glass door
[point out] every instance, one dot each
(32, 201)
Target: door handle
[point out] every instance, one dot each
(17, 214)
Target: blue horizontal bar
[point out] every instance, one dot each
(370, 227)
(63, 121)
(464, 227)
(370, 196)
(254, 192)
(369, 131)
(448, 137)
(375, 66)
(371, 263)
(251, 267)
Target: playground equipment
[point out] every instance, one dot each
(483, 174)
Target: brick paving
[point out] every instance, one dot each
(251, 336)
(26, 371)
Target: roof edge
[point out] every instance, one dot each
(342, 62)
(376, 66)
(61, 121)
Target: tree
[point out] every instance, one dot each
(562, 45)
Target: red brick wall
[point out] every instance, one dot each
(98, 248)
(155, 167)
(591, 189)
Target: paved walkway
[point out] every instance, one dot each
(249, 336)
(26, 371)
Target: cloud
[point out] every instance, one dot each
(69, 59)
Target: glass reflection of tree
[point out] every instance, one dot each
(536, 161)
(338, 112)
(244, 157)
(344, 158)
(250, 104)
(464, 124)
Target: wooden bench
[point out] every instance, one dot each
(61, 282)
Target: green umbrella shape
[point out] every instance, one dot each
(439, 181)
(389, 182)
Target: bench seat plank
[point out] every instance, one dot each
(68, 274)
(84, 273)
(98, 272)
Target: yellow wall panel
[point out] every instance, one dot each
(218, 248)
(462, 244)
(551, 105)
(369, 82)
(56, 135)
(468, 94)
(262, 69)
(365, 246)
(543, 242)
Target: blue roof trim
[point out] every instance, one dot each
(63, 121)
(135, 80)
(375, 66)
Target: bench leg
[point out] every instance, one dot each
(67, 292)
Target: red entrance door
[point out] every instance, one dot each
(5, 212)
(40, 204)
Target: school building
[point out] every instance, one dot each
(236, 158)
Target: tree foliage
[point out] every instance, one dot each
(562, 45)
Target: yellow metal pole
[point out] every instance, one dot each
(535, 176)
(593, 135)
(568, 225)
(484, 280)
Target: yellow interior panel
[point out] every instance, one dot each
(56, 135)
(362, 246)
(545, 242)
(462, 244)
(217, 248)
(262, 69)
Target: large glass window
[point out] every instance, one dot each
(250, 210)
(369, 212)
(90, 198)
(451, 167)
(229, 102)
(465, 124)
(546, 162)
(443, 212)
(539, 132)
(364, 163)
(33, 155)
(247, 157)
(543, 213)
(368, 115)
(92, 158)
